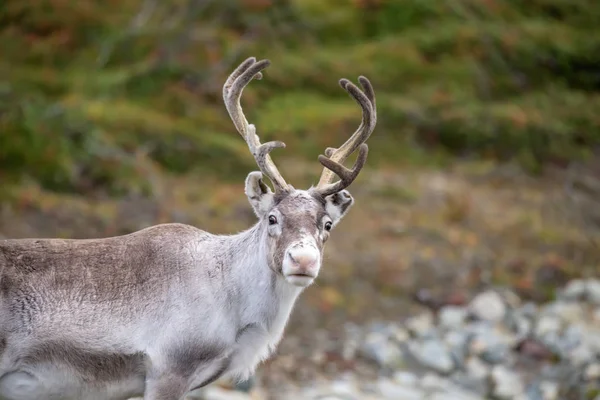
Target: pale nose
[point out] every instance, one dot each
(304, 259)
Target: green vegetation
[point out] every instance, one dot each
(98, 95)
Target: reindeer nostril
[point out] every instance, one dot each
(303, 259)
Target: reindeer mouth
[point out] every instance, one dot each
(301, 280)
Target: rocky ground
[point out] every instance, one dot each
(495, 346)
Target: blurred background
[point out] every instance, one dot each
(483, 171)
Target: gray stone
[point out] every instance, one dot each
(431, 382)
(593, 291)
(458, 343)
(529, 310)
(549, 390)
(574, 290)
(452, 317)
(580, 355)
(455, 395)
(477, 368)
(592, 372)
(519, 324)
(507, 384)
(420, 325)
(547, 324)
(405, 378)
(488, 306)
(491, 344)
(393, 391)
(432, 354)
(544, 390)
(384, 352)
(568, 312)
(479, 386)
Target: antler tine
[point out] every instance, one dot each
(346, 175)
(334, 158)
(232, 92)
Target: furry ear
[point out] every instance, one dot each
(338, 204)
(260, 196)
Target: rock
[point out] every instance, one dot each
(433, 382)
(393, 391)
(420, 325)
(596, 315)
(442, 388)
(592, 372)
(568, 312)
(479, 386)
(458, 343)
(452, 317)
(507, 384)
(405, 378)
(491, 344)
(455, 395)
(580, 355)
(488, 306)
(432, 354)
(519, 324)
(575, 290)
(399, 335)
(477, 368)
(549, 390)
(377, 347)
(470, 384)
(593, 291)
(547, 324)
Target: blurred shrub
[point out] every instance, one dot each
(95, 94)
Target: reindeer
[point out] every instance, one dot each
(171, 308)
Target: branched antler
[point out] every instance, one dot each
(232, 92)
(334, 158)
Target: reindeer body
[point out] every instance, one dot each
(76, 311)
(171, 308)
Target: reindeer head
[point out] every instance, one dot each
(298, 222)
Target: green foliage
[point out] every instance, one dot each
(94, 94)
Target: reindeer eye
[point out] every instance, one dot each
(272, 220)
(328, 225)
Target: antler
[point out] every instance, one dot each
(232, 92)
(334, 158)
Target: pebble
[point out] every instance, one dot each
(593, 291)
(488, 306)
(451, 317)
(549, 390)
(575, 290)
(394, 391)
(592, 372)
(432, 353)
(477, 368)
(406, 378)
(506, 383)
(420, 325)
(547, 324)
(377, 347)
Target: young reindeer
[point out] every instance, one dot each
(171, 308)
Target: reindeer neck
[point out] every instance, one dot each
(264, 294)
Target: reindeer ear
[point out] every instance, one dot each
(259, 194)
(338, 204)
